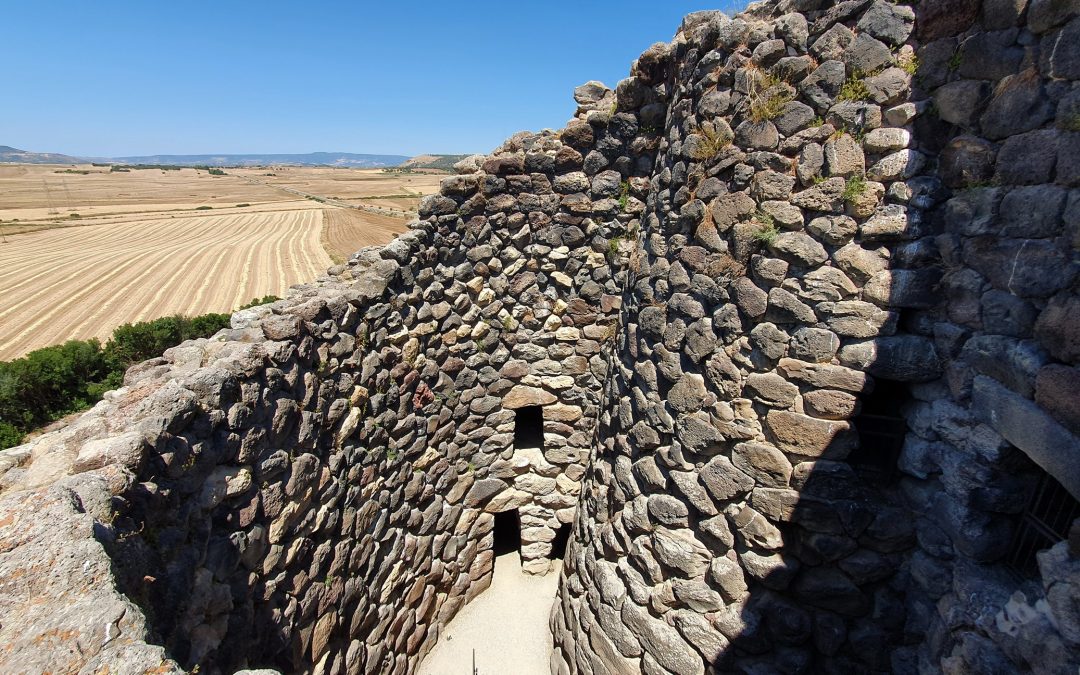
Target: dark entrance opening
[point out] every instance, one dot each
(507, 532)
(529, 427)
(558, 544)
(1046, 521)
(881, 428)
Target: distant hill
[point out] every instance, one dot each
(14, 155)
(342, 159)
(445, 162)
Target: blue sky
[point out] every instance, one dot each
(120, 78)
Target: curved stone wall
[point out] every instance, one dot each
(779, 220)
(821, 222)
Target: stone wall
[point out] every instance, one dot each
(314, 489)
(702, 281)
(821, 221)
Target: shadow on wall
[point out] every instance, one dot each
(922, 536)
(805, 463)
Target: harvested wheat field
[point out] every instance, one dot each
(398, 191)
(83, 249)
(82, 282)
(347, 230)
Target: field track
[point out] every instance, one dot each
(82, 282)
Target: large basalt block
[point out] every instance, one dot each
(1030, 428)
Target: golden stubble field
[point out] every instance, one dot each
(83, 249)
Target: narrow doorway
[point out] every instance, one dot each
(558, 544)
(881, 427)
(507, 533)
(529, 427)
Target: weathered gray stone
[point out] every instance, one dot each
(1028, 427)
(1019, 104)
(723, 480)
(815, 345)
(680, 550)
(662, 641)
(866, 54)
(771, 389)
(888, 22)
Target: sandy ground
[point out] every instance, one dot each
(507, 625)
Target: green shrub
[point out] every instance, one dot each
(712, 142)
(854, 89)
(264, 300)
(134, 342)
(51, 382)
(767, 230)
(203, 208)
(1071, 122)
(769, 105)
(955, 60)
(909, 64)
(9, 435)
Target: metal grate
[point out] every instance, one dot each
(1045, 522)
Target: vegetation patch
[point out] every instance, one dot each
(767, 231)
(1071, 122)
(909, 63)
(55, 381)
(854, 89)
(711, 144)
(955, 60)
(854, 187)
(770, 102)
(255, 302)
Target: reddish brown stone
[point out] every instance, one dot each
(1056, 390)
(940, 18)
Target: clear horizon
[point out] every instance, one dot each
(131, 78)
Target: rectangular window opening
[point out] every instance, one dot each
(529, 427)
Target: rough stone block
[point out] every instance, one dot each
(1031, 429)
(805, 436)
(1057, 390)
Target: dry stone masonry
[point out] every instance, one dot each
(783, 331)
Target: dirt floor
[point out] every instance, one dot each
(506, 626)
(83, 250)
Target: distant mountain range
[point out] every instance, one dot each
(340, 159)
